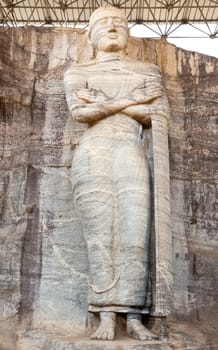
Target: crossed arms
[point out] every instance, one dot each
(88, 106)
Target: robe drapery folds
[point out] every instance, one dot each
(129, 251)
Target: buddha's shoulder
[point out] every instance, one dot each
(146, 67)
(80, 68)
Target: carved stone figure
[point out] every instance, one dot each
(117, 97)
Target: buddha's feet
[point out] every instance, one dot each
(106, 329)
(136, 330)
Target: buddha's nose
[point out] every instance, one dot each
(112, 28)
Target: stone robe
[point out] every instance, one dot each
(112, 188)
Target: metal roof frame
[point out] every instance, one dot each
(164, 18)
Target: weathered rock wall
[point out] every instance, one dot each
(43, 258)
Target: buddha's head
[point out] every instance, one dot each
(108, 29)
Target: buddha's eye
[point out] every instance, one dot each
(102, 21)
(118, 20)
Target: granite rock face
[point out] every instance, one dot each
(43, 256)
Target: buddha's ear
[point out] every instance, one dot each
(90, 46)
(89, 35)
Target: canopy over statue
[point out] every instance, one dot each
(114, 194)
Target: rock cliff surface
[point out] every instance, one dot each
(43, 255)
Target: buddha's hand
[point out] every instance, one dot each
(146, 94)
(91, 96)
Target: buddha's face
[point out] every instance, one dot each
(109, 34)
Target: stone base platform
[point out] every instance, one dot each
(182, 336)
(35, 340)
(120, 344)
(38, 340)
